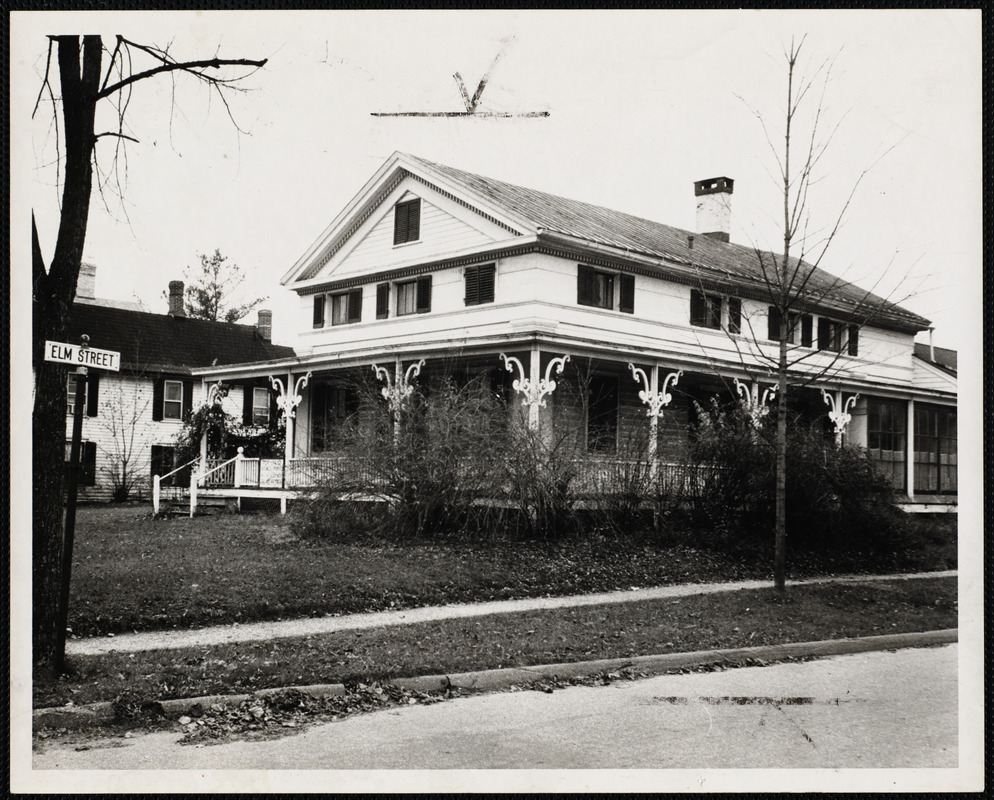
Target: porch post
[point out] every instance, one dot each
(653, 427)
(288, 446)
(838, 407)
(534, 376)
(398, 378)
(909, 450)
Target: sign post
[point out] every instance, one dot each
(81, 356)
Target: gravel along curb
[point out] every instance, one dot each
(77, 718)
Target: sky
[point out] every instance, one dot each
(641, 104)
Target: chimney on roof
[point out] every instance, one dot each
(265, 325)
(86, 284)
(176, 308)
(714, 207)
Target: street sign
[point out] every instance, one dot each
(77, 356)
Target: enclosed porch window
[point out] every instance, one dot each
(935, 449)
(886, 432)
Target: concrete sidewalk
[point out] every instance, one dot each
(264, 631)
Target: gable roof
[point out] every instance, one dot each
(584, 226)
(945, 359)
(162, 343)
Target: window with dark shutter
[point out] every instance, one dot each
(807, 337)
(319, 311)
(480, 284)
(829, 335)
(773, 324)
(355, 305)
(594, 288)
(407, 222)
(158, 395)
(705, 309)
(853, 344)
(383, 301)
(734, 315)
(626, 299)
(423, 302)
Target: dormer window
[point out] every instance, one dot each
(407, 221)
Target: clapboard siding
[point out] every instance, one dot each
(446, 227)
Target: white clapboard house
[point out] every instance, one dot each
(132, 417)
(432, 263)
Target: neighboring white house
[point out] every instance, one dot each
(132, 417)
(430, 262)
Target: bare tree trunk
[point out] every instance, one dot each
(54, 293)
(780, 533)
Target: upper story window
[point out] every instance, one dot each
(480, 284)
(407, 221)
(260, 405)
(71, 387)
(796, 324)
(705, 309)
(346, 307)
(414, 297)
(835, 336)
(172, 405)
(608, 290)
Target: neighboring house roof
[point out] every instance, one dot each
(621, 236)
(943, 358)
(163, 343)
(102, 301)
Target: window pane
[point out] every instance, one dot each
(406, 298)
(174, 390)
(339, 309)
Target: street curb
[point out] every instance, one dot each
(78, 718)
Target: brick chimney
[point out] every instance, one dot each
(714, 207)
(265, 325)
(86, 285)
(176, 308)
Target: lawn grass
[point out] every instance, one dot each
(724, 620)
(134, 573)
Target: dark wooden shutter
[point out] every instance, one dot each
(472, 286)
(853, 340)
(355, 305)
(92, 393)
(274, 410)
(247, 401)
(824, 333)
(585, 290)
(734, 315)
(487, 272)
(413, 220)
(626, 302)
(157, 399)
(423, 300)
(88, 464)
(318, 413)
(319, 311)
(187, 399)
(383, 301)
(807, 338)
(773, 324)
(698, 308)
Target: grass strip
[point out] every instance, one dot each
(717, 621)
(133, 573)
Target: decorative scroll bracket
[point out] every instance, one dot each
(534, 393)
(397, 393)
(216, 392)
(287, 403)
(756, 408)
(840, 416)
(656, 401)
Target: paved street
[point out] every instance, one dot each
(884, 710)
